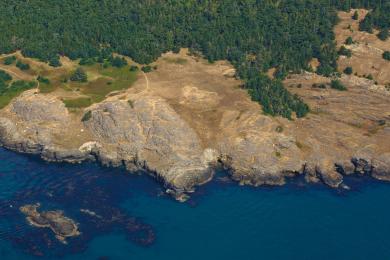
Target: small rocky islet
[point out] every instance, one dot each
(61, 225)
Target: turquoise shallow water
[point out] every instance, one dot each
(221, 221)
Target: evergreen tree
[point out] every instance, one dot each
(79, 75)
(349, 41)
(9, 60)
(345, 52)
(4, 76)
(336, 84)
(22, 66)
(386, 55)
(383, 34)
(54, 61)
(355, 15)
(348, 70)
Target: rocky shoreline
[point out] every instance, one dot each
(182, 121)
(145, 133)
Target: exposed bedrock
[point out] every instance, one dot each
(149, 134)
(146, 133)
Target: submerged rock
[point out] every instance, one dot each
(62, 226)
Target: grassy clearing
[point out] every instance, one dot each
(14, 90)
(78, 102)
(112, 79)
(46, 87)
(102, 80)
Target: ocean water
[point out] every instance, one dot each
(221, 221)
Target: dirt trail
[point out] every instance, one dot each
(147, 82)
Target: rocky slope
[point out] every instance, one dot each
(182, 121)
(347, 133)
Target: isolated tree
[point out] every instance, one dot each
(367, 24)
(355, 15)
(146, 69)
(386, 55)
(54, 61)
(79, 75)
(9, 60)
(336, 84)
(383, 34)
(349, 41)
(22, 66)
(345, 52)
(133, 68)
(42, 79)
(4, 76)
(118, 62)
(348, 70)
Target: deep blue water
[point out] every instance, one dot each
(221, 221)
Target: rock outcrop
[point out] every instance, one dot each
(149, 135)
(180, 131)
(63, 227)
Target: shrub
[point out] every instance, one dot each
(349, 41)
(367, 24)
(386, 55)
(325, 70)
(355, 16)
(118, 62)
(131, 103)
(9, 60)
(146, 69)
(336, 84)
(348, 70)
(54, 61)
(345, 52)
(23, 85)
(86, 62)
(133, 68)
(3, 86)
(279, 129)
(383, 34)
(4, 76)
(86, 116)
(22, 66)
(321, 86)
(43, 80)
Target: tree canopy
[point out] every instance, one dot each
(254, 35)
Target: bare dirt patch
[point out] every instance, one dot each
(198, 91)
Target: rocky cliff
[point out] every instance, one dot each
(348, 133)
